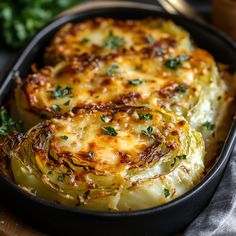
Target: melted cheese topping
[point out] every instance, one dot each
(131, 96)
(148, 162)
(191, 89)
(104, 36)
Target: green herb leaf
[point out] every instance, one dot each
(113, 42)
(61, 177)
(135, 82)
(181, 157)
(181, 88)
(64, 137)
(209, 125)
(147, 116)
(60, 93)
(7, 123)
(166, 192)
(22, 19)
(56, 107)
(148, 132)
(111, 70)
(183, 57)
(90, 154)
(173, 63)
(105, 118)
(149, 39)
(108, 130)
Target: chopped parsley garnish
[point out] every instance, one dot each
(67, 103)
(209, 125)
(181, 157)
(90, 154)
(64, 137)
(148, 132)
(108, 130)
(173, 63)
(219, 98)
(181, 88)
(166, 192)
(149, 39)
(61, 177)
(56, 107)
(105, 118)
(183, 57)
(59, 92)
(111, 70)
(147, 116)
(113, 42)
(160, 52)
(7, 123)
(135, 82)
(84, 40)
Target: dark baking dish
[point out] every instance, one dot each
(163, 220)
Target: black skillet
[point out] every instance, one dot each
(163, 220)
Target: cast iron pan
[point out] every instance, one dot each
(164, 220)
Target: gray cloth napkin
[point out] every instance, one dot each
(219, 217)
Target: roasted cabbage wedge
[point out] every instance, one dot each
(187, 83)
(123, 115)
(103, 36)
(120, 160)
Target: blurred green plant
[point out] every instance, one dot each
(21, 19)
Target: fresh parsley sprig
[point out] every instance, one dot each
(111, 70)
(147, 116)
(105, 119)
(174, 63)
(108, 130)
(7, 123)
(21, 19)
(149, 133)
(135, 82)
(182, 88)
(112, 41)
(59, 92)
(90, 154)
(166, 192)
(209, 125)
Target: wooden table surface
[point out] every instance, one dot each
(10, 225)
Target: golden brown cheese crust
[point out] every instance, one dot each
(99, 152)
(152, 154)
(133, 78)
(103, 36)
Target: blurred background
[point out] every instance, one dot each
(21, 19)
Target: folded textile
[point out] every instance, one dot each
(219, 217)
